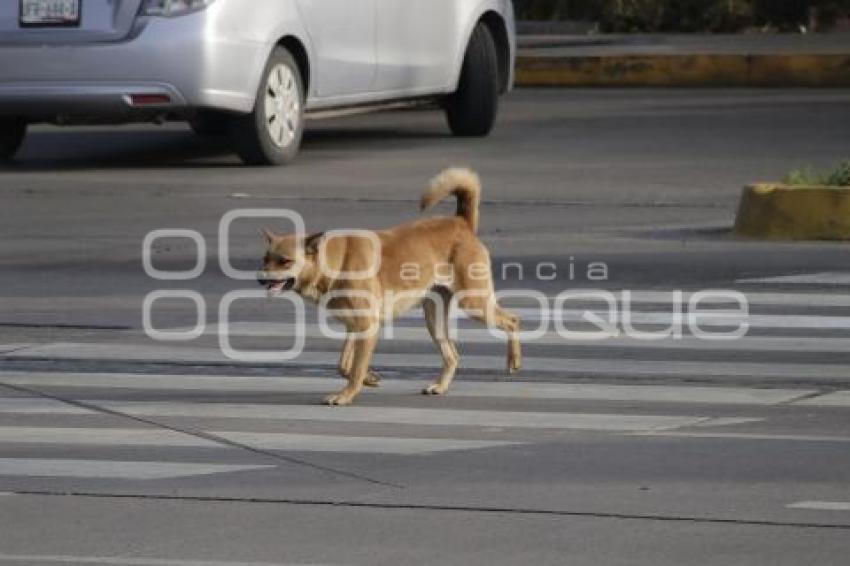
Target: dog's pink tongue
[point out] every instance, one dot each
(274, 288)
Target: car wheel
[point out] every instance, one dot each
(472, 108)
(208, 123)
(12, 133)
(271, 133)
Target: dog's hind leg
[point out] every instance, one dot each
(437, 306)
(475, 295)
(483, 307)
(346, 361)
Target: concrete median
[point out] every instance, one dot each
(782, 212)
(687, 70)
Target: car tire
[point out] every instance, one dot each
(271, 133)
(471, 110)
(208, 123)
(12, 134)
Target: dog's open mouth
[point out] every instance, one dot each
(279, 286)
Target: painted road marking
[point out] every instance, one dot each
(516, 390)
(100, 437)
(127, 561)
(102, 469)
(30, 406)
(821, 505)
(784, 299)
(572, 317)
(550, 338)
(411, 416)
(6, 348)
(265, 440)
(823, 278)
(356, 444)
(565, 366)
(835, 399)
(748, 436)
(662, 296)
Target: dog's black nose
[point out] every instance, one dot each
(263, 282)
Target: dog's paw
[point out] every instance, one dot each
(372, 380)
(338, 400)
(434, 389)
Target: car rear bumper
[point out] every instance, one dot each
(184, 59)
(45, 99)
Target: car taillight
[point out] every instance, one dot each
(173, 7)
(148, 99)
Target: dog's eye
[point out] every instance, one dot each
(284, 262)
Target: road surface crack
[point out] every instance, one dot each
(438, 508)
(203, 435)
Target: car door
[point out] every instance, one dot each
(416, 43)
(343, 36)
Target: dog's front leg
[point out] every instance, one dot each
(346, 363)
(346, 359)
(362, 350)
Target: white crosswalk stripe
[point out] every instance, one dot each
(562, 365)
(533, 317)
(835, 399)
(821, 278)
(376, 415)
(452, 428)
(513, 390)
(80, 560)
(131, 470)
(821, 505)
(487, 336)
(264, 440)
(785, 329)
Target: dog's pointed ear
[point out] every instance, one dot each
(312, 243)
(268, 235)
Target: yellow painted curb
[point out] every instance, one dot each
(685, 71)
(782, 212)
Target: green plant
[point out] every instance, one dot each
(839, 176)
(784, 15)
(632, 15)
(727, 16)
(558, 9)
(687, 15)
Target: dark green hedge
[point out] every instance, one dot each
(685, 15)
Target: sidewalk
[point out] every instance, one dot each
(686, 60)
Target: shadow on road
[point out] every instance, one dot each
(79, 148)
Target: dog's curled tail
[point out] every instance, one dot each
(463, 184)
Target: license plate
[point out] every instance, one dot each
(50, 12)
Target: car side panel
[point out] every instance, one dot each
(266, 24)
(343, 35)
(417, 42)
(466, 14)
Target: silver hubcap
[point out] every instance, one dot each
(283, 105)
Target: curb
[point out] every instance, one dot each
(782, 212)
(721, 70)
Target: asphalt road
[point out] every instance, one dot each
(116, 448)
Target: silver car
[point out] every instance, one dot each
(251, 69)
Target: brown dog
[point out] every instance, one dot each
(367, 277)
